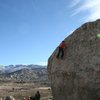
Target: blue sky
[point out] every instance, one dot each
(30, 30)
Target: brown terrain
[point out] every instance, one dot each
(19, 91)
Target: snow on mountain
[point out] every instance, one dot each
(13, 68)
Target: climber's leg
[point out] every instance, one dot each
(59, 52)
(62, 53)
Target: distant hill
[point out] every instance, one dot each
(24, 73)
(13, 68)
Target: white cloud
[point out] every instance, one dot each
(74, 3)
(92, 6)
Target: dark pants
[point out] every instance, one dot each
(60, 53)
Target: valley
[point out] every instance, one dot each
(19, 90)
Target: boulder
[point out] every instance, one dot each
(77, 75)
(9, 98)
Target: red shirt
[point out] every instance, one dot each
(62, 45)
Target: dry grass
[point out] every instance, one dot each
(24, 90)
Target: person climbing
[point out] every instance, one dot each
(61, 50)
(37, 96)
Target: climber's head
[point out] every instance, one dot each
(63, 41)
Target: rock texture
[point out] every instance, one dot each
(77, 76)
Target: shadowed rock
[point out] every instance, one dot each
(77, 76)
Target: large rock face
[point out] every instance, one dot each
(77, 76)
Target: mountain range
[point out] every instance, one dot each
(13, 68)
(23, 73)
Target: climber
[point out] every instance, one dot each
(61, 50)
